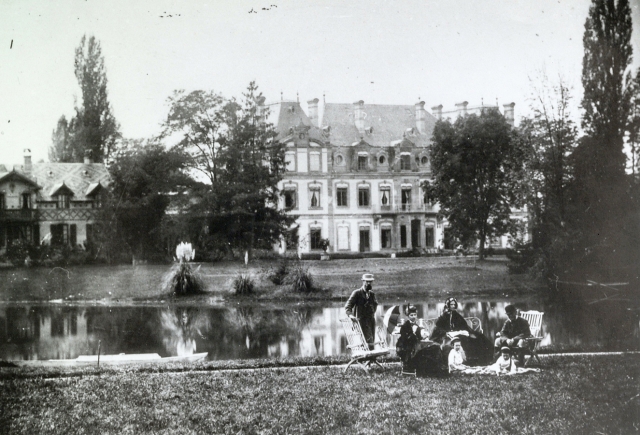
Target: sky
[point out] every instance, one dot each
(379, 51)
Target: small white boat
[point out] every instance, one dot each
(120, 359)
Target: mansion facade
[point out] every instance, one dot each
(52, 203)
(354, 175)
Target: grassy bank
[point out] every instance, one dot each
(400, 277)
(572, 395)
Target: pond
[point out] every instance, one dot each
(53, 331)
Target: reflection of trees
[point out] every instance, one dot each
(605, 325)
(181, 327)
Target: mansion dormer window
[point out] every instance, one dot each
(62, 201)
(362, 163)
(405, 162)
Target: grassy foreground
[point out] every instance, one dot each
(572, 395)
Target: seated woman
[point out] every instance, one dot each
(451, 324)
(419, 355)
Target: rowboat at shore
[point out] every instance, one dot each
(120, 359)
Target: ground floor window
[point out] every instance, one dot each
(364, 240)
(403, 236)
(428, 237)
(385, 238)
(315, 235)
(59, 234)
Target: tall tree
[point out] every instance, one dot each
(607, 83)
(550, 136)
(605, 212)
(477, 171)
(61, 147)
(144, 178)
(236, 150)
(93, 129)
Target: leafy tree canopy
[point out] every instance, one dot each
(477, 173)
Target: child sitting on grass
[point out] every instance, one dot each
(505, 365)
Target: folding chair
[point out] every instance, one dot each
(535, 325)
(360, 352)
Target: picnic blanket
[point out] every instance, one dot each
(491, 370)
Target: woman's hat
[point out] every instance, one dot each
(412, 309)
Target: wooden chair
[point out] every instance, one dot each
(360, 352)
(535, 325)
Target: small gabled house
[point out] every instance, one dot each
(54, 203)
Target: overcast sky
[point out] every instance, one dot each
(382, 52)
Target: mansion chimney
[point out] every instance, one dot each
(462, 108)
(359, 115)
(27, 160)
(87, 157)
(509, 113)
(421, 117)
(313, 112)
(437, 112)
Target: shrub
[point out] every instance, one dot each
(243, 284)
(300, 279)
(279, 274)
(186, 281)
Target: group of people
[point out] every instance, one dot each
(452, 346)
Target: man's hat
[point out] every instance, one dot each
(412, 309)
(510, 309)
(367, 277)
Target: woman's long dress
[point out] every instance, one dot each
(479, 349)
(423, 357)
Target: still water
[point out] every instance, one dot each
(31, 332)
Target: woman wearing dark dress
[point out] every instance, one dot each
(478, 348)
(419, 356)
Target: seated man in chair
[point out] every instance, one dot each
(514, 333)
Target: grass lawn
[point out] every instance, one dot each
(401, 277)
(572, 395)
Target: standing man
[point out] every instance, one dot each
(514, 332)
(361, 307)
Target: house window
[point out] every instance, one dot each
(73, 235)
(59, 234)
(314, 162)
(382, 160)
(290, 162)
(26, 200)
(339, 160)
(405, 162)
(63, 201)
(314, 197)
(385, 196)
(385, 238)
(424, 160)
(341, 197)
(2, 202)
(428, 237)
(290, 198)
(315, 235)
(403, 236)
(406, 199)
(363, 197)
(362, 163)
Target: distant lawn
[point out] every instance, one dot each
(572, 395)
(400, 277)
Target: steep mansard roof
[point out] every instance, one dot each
(80, 178)
(389, 123)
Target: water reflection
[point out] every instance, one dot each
(46, 332)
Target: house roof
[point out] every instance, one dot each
(13, 175)
(77, 177)
(389, 123)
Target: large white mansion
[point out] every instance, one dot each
(354, 174)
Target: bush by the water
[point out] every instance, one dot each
(300, 279)
(243, 284)
(186, 281)
(278, 274)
